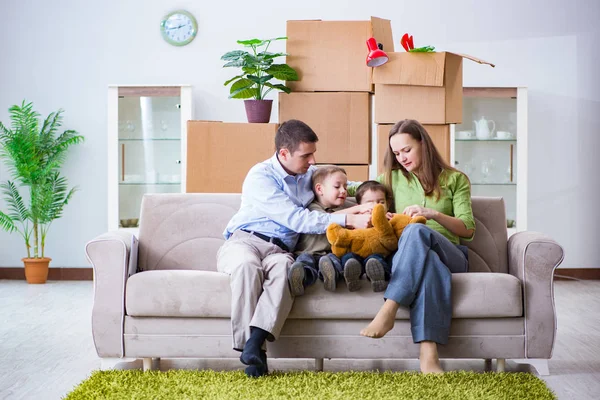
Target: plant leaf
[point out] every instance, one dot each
(232, 79)
(251, 42)
(234, 55)
(235, 63)
(243, 89)
(278, 86)
(270, 56)
(7, 223)
(260, 80)
(283, 72)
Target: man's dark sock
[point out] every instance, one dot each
(255, 371)
(251, 355)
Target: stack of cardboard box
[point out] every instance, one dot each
(220, 154)
(422, 86)
(333, 95)
(426, 87)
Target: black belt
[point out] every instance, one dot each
(275, 241)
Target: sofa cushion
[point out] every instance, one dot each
(170, 293)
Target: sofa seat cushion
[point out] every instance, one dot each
(171, 293)
(178, 293)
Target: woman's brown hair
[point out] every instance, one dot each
(432, 163)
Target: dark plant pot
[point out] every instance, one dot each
(258, 111)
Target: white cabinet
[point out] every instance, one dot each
(490, 146)
(147, 137)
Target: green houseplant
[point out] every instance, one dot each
(34, 155)
(258, 70)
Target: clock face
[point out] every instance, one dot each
(179, 28)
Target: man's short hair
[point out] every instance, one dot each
(324, 171)
(293, 132)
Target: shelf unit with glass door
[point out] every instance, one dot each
(147, 142)
(490, 146)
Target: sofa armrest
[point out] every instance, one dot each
(532, 258)
(113, 256)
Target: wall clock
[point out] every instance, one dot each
(179, 28)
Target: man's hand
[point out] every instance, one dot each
(416, 211)
(356, 221)
(365, 208)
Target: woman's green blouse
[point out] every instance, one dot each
(455, 198)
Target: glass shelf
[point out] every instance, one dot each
(494, 184)
(486, 140)
(149, 183)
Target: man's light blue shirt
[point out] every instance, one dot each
(274, 204)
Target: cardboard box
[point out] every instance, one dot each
(342, 121)
(356, 173)
(331, 55)
(219, 155)
(440, 135)
(422, 86)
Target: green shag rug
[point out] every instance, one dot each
(206, 384)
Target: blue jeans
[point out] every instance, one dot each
(422, 280)
(311, 270)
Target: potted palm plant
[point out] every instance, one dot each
(34, 155)
(258, 69)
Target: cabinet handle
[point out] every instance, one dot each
(511, 162)
(177, 161)
(123, 162)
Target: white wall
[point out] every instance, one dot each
(66, 53)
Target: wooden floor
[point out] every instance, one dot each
(46, 345)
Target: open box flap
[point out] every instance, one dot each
(382, 32)
(477, 60)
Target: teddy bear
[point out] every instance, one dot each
(381, 239)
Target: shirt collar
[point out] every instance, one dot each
(278, 167)
(282, 172)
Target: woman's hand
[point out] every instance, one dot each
(418, 211)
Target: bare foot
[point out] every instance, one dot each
(429, 359)
(383, 321)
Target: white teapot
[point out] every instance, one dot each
(482, 128)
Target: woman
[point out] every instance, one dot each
(423, 184)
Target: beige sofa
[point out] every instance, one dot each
(164, 298)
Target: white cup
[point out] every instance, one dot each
(504, 135)
(465, 135)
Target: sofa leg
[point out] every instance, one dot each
(487, 364)
(111, 363)
(540, 365)
(147, 364)
(319, 364)
(500, 365)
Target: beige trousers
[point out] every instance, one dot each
(260, 295)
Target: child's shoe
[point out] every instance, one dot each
(328, 272)
(296, 278)
(352, 273)
(376, 274)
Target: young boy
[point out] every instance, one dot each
(375, 266)
(329, 185)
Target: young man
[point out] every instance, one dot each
(262, 235)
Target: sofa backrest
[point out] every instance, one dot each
(488, 251)
(185, 231)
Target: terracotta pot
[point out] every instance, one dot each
(36, 269)
(258, 111)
